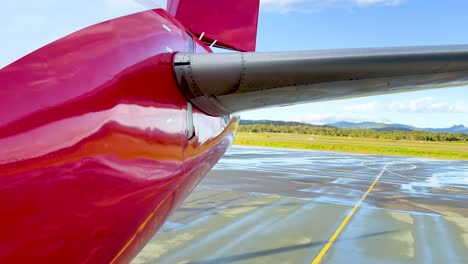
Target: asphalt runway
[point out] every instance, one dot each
(262, 205)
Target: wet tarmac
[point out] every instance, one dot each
(261, 205)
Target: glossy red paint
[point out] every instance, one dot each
(93, 148)
(233, 24)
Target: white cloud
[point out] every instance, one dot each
(307, 5)
(322, 119)
(373, 2)
(365, 107)
(428, 105)
(136, 4)
(419, 105)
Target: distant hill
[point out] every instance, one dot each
(374, 126)
(452, 129)
(362, 125)
(397, 127)
(278, 123)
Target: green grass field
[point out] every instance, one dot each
(441, 150)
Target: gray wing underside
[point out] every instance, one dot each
(224, 83)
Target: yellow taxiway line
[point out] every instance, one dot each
(332, 239)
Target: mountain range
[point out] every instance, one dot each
(398, 127)
(363, 125)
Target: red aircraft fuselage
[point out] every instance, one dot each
(96, 147)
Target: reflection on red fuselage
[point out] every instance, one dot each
(93, 147)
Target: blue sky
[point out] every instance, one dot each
(325, 24)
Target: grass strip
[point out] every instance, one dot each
(440, 150)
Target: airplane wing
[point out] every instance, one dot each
(224, 83)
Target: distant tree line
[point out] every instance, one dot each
(355, 133)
